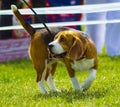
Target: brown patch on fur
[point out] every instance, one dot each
(76, 50)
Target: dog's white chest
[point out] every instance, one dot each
(83, 65)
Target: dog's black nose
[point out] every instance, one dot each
(50, 46)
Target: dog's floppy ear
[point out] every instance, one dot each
(76, 50)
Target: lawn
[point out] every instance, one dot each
(18, 87)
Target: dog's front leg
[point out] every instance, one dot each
(49, 77)
(51, 83)
(75, 84)
(87, 83)
(73, 78)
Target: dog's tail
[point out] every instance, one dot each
(22, 21)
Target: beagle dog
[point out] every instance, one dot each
(76, 51)
(78, 54)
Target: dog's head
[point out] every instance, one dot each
(66, 44)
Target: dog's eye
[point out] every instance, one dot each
(62, 39)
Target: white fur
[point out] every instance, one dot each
(13, 7)
(87, 83)
(41, 83)
(51, 83)
(75, 84)
(83, 65)
(57, 48)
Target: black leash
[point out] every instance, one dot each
(39, 18)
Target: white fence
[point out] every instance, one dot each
(65, 10)
(8, 47)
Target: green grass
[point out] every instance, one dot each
(18, 87)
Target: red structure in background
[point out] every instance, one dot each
(12, 49)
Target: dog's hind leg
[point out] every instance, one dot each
(49, 77)
(41, 72)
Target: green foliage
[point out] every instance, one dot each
(18, 87)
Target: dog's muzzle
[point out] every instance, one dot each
(52, 54)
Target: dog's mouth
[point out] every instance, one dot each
(62, 55)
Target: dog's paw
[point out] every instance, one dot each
(43, 91)
(86, 87)
(57, 91)
(79, 90)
